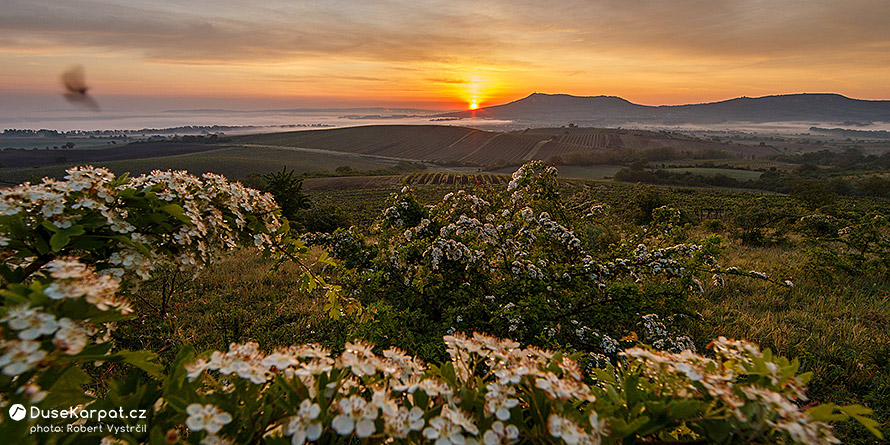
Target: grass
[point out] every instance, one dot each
(838, 331)
(237, 299)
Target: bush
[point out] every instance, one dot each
(518, 262)
(288, 192)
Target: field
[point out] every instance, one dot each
(457, 144)
(585, 153)
(457, 179)
(142, 150)
(234, 162)
(741, 175)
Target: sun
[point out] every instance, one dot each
(474, 105)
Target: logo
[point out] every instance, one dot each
(17, 412)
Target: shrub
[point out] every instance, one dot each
(288, 192)
(518, 262)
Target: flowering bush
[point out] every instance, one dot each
(128, 228)
(522, 263)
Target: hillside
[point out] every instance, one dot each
(465, 145)
(608, 110)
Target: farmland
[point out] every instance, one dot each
(232, 162)
(741, 175)
(458, 144)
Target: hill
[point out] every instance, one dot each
(609, 110)
(446, 144)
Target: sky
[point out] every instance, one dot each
(266, 54)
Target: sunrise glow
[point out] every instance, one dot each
(474, 105)
(440, 55)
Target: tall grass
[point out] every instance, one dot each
(841, 332)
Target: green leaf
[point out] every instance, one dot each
(683, 409)
(67, 389)
(421, 399)
(142, 360)
(176, 211)
(58, 241)
(49, 226)
(870, 424)
(448, 374)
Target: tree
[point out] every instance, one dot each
(288, 192)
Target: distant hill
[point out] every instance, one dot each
(608, 110)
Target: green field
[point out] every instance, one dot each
(234, 163)
(741, 175)
(575, 171)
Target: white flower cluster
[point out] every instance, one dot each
(36, 332)
(461, 202)
(451, 250)
(392, 381)
(664, 260)
(657, 334)
(216, 210)
(724, 381)
(558, 231)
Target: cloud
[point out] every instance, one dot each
(397, 31)
(355, 41)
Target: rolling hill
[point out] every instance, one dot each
(370, 147)
(611, 111)
(449, 144)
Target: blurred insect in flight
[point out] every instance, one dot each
(76, 89)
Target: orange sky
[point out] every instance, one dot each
(443, 54)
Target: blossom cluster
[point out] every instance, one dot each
(380, 395)
(35, 330)
(742, 380)
(492, 391)
(203, 216)
(529, 252)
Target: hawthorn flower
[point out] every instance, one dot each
(498, 400)
(20, 356)
(33, 392)
(67, 268)
(358, 357)
(449, 427)
(71, 337)
(570, 432)
(195, 368)
(499, 434)
(355, 414)
(206, 418)
(403, 422)
(30, 322)
(302, 426)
